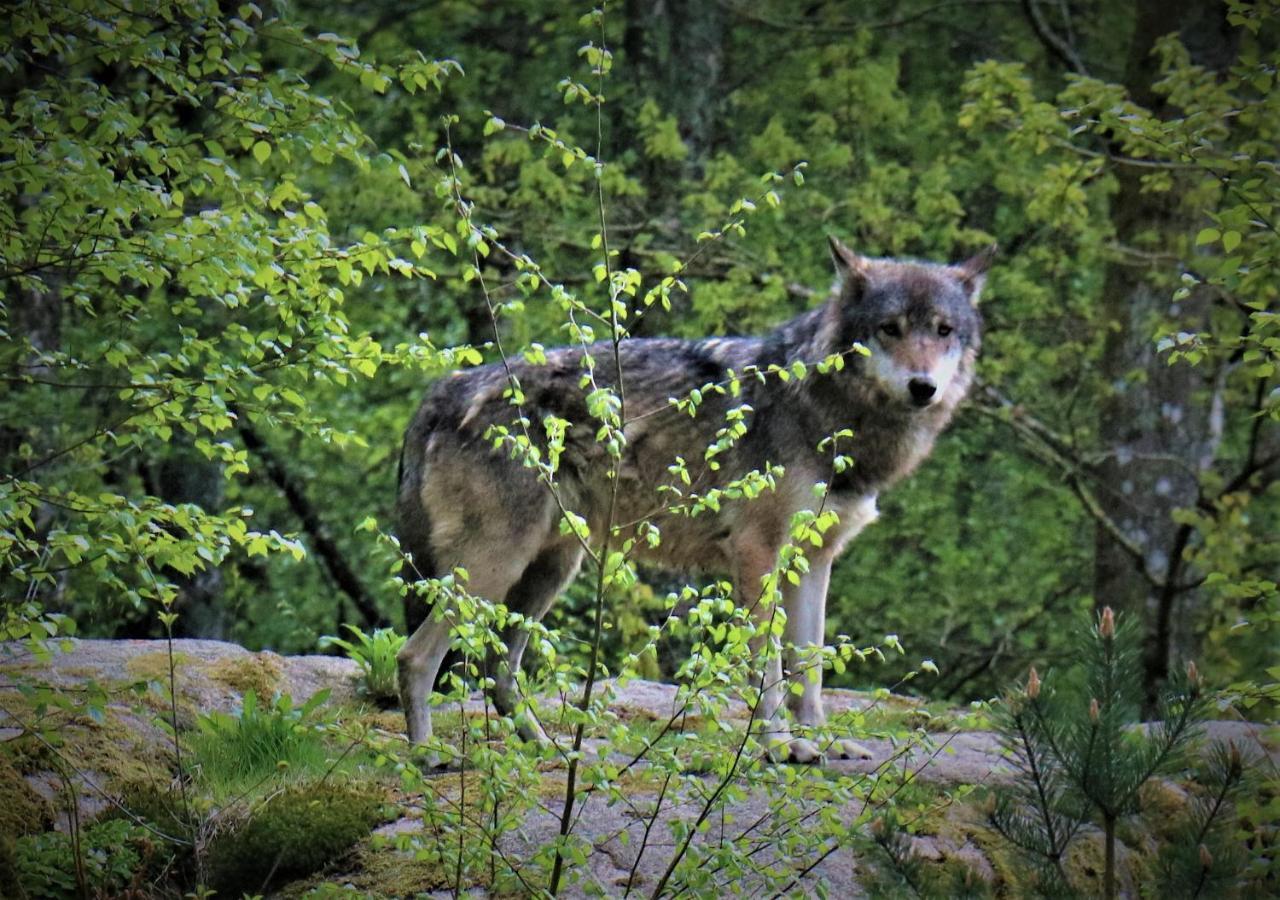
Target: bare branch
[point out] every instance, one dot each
(1055, 44)
(330, 554)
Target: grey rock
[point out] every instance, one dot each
(212, 675)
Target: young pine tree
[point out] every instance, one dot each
(1081, 757)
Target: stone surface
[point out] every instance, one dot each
(205, 671)
(212, 675)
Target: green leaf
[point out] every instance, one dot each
(261, 151)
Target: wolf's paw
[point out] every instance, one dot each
(803, 750)
(782, 747)
(844, 748)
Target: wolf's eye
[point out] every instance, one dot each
(944, 330)
(891, 329)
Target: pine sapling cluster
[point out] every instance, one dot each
(1081, 756)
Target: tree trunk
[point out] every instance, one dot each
(1156, 423)
(675, 53)
(185, 475)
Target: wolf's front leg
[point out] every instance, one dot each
(755, 559)
(806, 605)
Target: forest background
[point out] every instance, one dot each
(233, 260)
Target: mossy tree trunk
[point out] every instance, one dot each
(1156, 424)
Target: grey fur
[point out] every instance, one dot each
(462, 504)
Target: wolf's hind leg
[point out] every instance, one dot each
(419, 661)
(533, 596)
(420, 657)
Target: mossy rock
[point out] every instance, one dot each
(125, 747)
(1165, 806)
(122, 746)
(262, 673)
(294, 833)
(1084, 863)
(154, 666)
(22, 811)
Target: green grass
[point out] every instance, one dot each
(233, 753)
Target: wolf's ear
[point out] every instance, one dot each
(973, 272)
(848, 264)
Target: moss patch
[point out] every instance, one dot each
(391, 720)
(28, 755)
(155, 666)
(373, 870)
(261, 673)
(296, 832)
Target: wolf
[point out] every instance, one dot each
(462, 502)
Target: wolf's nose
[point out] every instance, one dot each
(922, 390)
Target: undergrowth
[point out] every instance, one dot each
(111, 858)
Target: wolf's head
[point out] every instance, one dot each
(919, 320)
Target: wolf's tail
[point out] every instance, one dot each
(413, 526)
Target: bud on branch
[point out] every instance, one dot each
(1107, 626)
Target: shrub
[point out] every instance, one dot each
(1082, 759)
(376, 655)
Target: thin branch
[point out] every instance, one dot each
(602, 587)
(1055, 44)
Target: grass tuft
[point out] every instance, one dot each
(232, 753)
